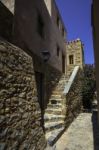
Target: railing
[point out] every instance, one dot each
(71, 80)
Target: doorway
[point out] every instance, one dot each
(40, 92)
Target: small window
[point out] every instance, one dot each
(63, 32)
(58, 22)
(71, 59)
(58, 51)
(63, 63)
(40, 26)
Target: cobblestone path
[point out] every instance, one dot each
(83, 134)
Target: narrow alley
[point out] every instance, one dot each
(81, 135)
(49, 77)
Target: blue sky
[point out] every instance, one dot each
(76, 15)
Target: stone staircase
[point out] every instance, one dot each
(54, 117)
(69, 70)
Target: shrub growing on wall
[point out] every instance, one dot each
(89, 85)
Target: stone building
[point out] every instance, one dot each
(55, 16)
(75, 55)
(40, 28)
(95, 29)
(36, 95)
(44, 31)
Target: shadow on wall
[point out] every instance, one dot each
(6, 23)
(20, 113)
(47, 78)
(95, 130)
(74, 99)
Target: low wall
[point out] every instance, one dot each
(73, 98)
(20, 115)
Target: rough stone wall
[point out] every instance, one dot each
(20, 116)
(73, 99)
(6, 23)
(74, 48)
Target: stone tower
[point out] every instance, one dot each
(75, 55)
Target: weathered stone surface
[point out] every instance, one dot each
(75, 49)
(20, 114)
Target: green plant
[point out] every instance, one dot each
(89, 85)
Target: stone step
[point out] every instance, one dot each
(52, 118)
(57, 105)
(49, 126)
(56, 92)
(53, 136)
(60, 88)
(54, 100)
(57, 89)
(54, 111)
(63, 82)
(62, 76)
(55, 96)
(68, 76)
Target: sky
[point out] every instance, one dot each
(76, 15)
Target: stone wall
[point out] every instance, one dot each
(54, 13)
(74, 48)
(6, 23)
(20, 115)
(55, 16)
(73, 99)
(34, 30)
